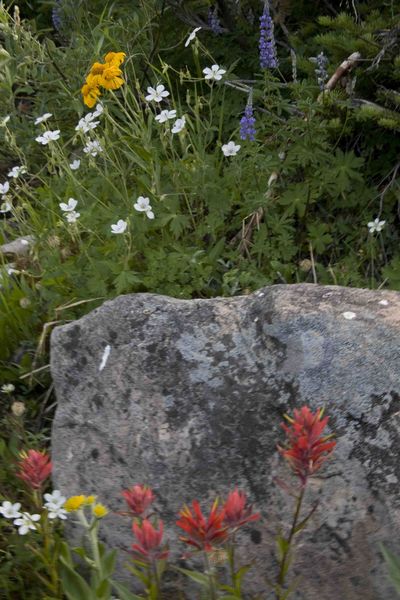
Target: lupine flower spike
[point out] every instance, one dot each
(213, 20)
(203, 533)
(247, 128)
(267, 45)
(34, 468)
(237, 511)
(307, 447)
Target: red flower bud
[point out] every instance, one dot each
(236, 511)
(149, 538)
(138, 498)
(34, 468)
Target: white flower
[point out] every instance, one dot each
(57, 513)
(5, 207)
(87, 123)
(165, 115)
(119, 227)
(4, 187)
(192, 36)
(17, 171)
(48, 136)
(178, 125)
(7, 388)
(230, 149)
(376, 225)
(214, 73)
(99, 110)
(70, 206)
(9, 510)
(26, 522)
(157, 94)
(54, 503)
(74, 166)
(72, 216)
(43, 118)
(349, 315)
(143, 205)
(93, 148)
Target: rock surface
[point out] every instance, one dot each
(188, 395)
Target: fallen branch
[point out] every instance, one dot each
(342, 70)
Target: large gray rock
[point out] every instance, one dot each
(188, 395)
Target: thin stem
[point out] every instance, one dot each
(213, 591)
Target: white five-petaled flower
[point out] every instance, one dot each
(214, 73)
(143, 205)
(72, 216)
(4, 187)
(192, 36)
(93, 147)
(8, 388)
(70, 206)
(43, 118)
(99, 110)
(231, 149)
(164, 115)
(74, 166)
(376, 225)
(5, 207)
(178, 125)
(54, 504)
(10, 510)
(48, 136)
(17, 171)
(119, 227)
(156, 94)
(86, 124)
(26, 522)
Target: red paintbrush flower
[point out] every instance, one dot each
(149, 538)
(34, 468)
(307, 447)
(202, 532)
(138, 498)
(236, 511)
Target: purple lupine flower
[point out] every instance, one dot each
(247, 129)
(213, 20)
(267, 46)
(321, 62)
(56, 15)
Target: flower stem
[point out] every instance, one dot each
(213, 592)
(286, 552)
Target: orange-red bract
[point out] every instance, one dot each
(149, 538)
(236, 511)
(34, 468)
(203, 533)
(138, 498)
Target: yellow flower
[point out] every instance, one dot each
(90, 500)
(97, 68)
(99, 510)
(74, 503)
(115, 58)
(110, 79)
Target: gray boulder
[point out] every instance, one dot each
(188, 396)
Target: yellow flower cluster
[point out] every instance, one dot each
(77, 502)
(105, 75)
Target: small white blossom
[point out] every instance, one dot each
(17, 171)
(143, 205)
(165, 115)
(178, 125)
(43, 118)
(230, 149)
(72, 216)
(5, 207)
(156, 94)
(70, 206)
(192, 36)
(74, 166)
(93, 147)
(4, 187)
(26, 522)
(10, 510)
(119, 227)
(8, 388)
(214, 73)
(48, 136)
(54, 503)
(376, 225)
(57, 513)
(87, 123)
(349, 315)
(99, 110)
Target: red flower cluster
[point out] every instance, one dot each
(34, 468)
(138, 498)
(204, 533)
(149, 547)
(307, 447)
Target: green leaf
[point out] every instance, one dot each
(125, 281)
(123, 592)
(108, 563)
(198, 577)
(393, 565)
(103, 590)
(74, 586)
(65, 554)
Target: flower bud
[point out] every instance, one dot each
(18, 408)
